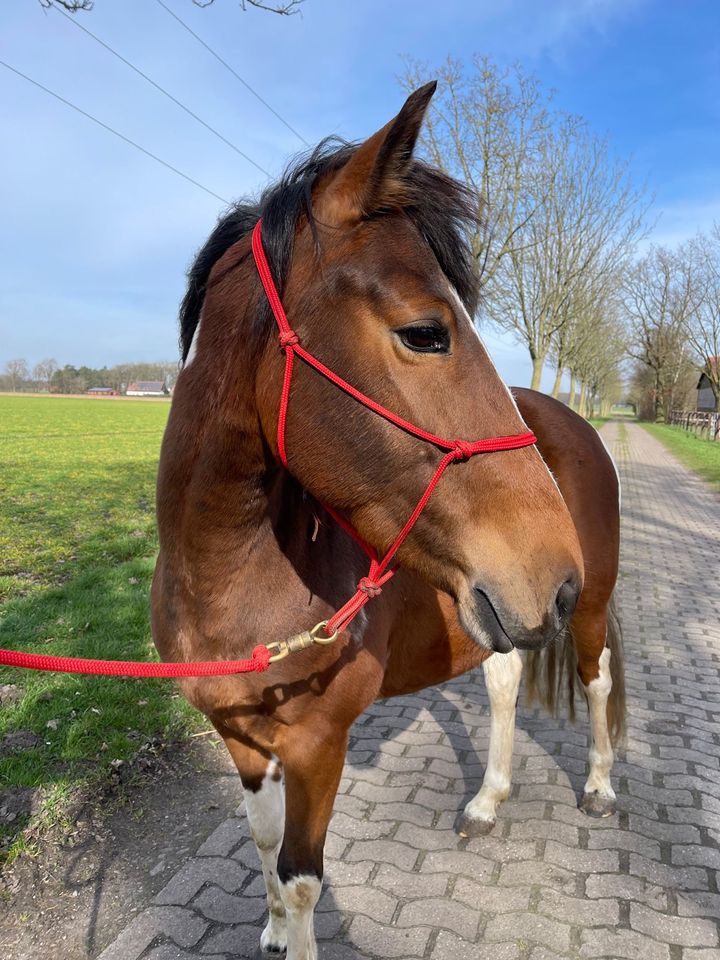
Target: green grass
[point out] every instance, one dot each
(702, 456)
(78, 542)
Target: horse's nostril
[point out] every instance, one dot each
(566, 599)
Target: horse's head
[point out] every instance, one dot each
(379, 287)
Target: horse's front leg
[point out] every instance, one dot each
(313, 762)
(502, 678)
(265, 807)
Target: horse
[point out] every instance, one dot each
(277, 480)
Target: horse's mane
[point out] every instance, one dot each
(443, 209)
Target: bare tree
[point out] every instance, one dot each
(587, 219)
(72, 6)
(284, 9)
(44, 370)
(703, 323)
(659, 296)
(485, 126)
(17, 371)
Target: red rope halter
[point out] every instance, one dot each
(380, 572)
(368, 587)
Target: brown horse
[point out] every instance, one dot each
(368, 250)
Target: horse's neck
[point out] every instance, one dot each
(258, 558)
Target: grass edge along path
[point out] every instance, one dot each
(78, 545)
(701, 456)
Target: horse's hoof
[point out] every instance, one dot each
(593, 805)
(466, 826)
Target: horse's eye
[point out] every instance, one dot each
(425, 338)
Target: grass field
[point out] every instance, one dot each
(77, 541)
(702, 456)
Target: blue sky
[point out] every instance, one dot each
(96, 237)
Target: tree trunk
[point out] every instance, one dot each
(583, 400)
(571, 396)
(538, 363)
(558, 378)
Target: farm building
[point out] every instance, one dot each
(101, 392)
(147, 388)
(706, 402)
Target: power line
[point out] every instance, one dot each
(111, 130)
(233, 72)
(76, 23)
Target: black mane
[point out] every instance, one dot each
(443, 209)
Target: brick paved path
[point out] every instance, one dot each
(549, 882)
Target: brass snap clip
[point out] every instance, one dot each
(300, 641)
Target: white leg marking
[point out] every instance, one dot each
(300, 894)
(502, 678)
(266, 814)
(601, 752)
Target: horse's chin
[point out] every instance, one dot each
(482, 626)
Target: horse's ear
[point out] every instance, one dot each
(373, 178)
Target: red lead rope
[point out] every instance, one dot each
(457, 450)
(379, 572)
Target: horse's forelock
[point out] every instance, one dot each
(444, 210)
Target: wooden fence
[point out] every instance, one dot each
(706, 425)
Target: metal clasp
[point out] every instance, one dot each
(300, 641)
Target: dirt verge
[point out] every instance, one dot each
(82, 886)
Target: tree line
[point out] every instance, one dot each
(48, 377)
(556, 251)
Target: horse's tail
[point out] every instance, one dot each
(552, 679)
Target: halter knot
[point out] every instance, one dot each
(462, 450)
(288, 338)
(369, 587)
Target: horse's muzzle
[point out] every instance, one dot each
(505, 630)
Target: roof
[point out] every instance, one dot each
(712, 365)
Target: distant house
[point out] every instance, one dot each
(706, 402)
(147, 388)
(101, 392)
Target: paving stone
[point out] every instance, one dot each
(439, 913)
(365, 900)
(406, 885)
(573, 910)
(450, 947)
(352, 829)
(688, 932)
(537, 872)
(531, 927)
(489, 899)
(169, 951)
(584, 861)
(225, 838)
(381, 940)
(683, 878)
(183, 926)
(217, 905)
(603, 885)
(240, 940)
(194, 874)
(621, 945)
(390, 851)
(457, 862)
